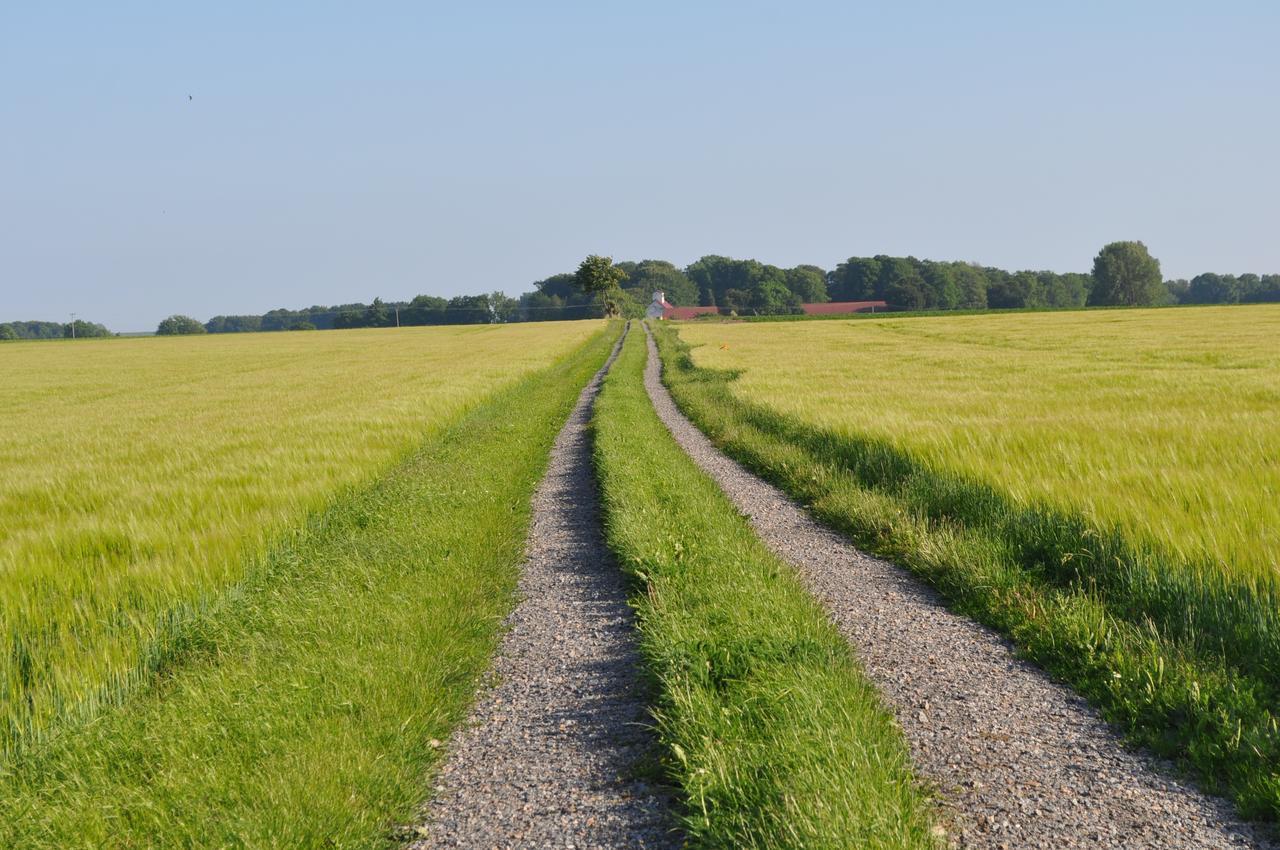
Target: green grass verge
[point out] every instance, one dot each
(302, 708)
(773, 735)
(1184, 660)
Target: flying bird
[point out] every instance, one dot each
(189, 97)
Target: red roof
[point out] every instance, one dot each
(832, 308)
(688, 312)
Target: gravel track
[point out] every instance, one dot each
(548, 755)
(1018, 760)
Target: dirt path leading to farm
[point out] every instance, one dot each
(549, 754)
(1019, 761)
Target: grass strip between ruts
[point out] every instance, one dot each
(772, 733)
(1162, 651)
(305, 710)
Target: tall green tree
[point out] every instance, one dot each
(1125, 274)
(598, 276)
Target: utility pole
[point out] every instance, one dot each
(397, 317)
(73, 325)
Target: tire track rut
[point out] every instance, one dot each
(548, 755)
(1019, 760)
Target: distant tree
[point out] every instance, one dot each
(233, 324)
(771, 297)
(809, 284)
(177, 325)
(1177, 290)
(649, 276)
(7, 332)
(280, 318)
(1002, 290)
(1212, 288)
(1268, 288)
(1125, 273)
(468, 310)
(377, 315)
(735, 301)
(713, 276)
(901, 283)
(597, 275)
(80, 329)
(1249, 286)
(559, 286)
(502, 308)
(856, 279)
(631, 304)
(424, 310)
(37, 330)
(1065, 290)
(941, 291)
(302, 325)
(537, 306)
(971, 280)
(1028, 284)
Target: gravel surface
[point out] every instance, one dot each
(1018, 760)
(548, 756)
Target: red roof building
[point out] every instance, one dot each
(833, 308)
(688, 312)
(661, 309)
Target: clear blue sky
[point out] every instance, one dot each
(337, 151)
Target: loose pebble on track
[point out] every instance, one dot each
(1018, 760)
(550, 754)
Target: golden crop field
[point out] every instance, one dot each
(138, 476)
(1165, 423)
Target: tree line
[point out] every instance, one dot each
(77, 329)
(1123, 274)
(1226, 289)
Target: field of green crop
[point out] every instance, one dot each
(304, 705)
(139, 477)
(1101, 486)
(1164, 422)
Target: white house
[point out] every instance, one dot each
(659, 307)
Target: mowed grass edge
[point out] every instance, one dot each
(771, 732)
(306, 708)
(1175, 657)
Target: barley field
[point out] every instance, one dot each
(1099, 486)
(138, 477)
(1164, 423)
